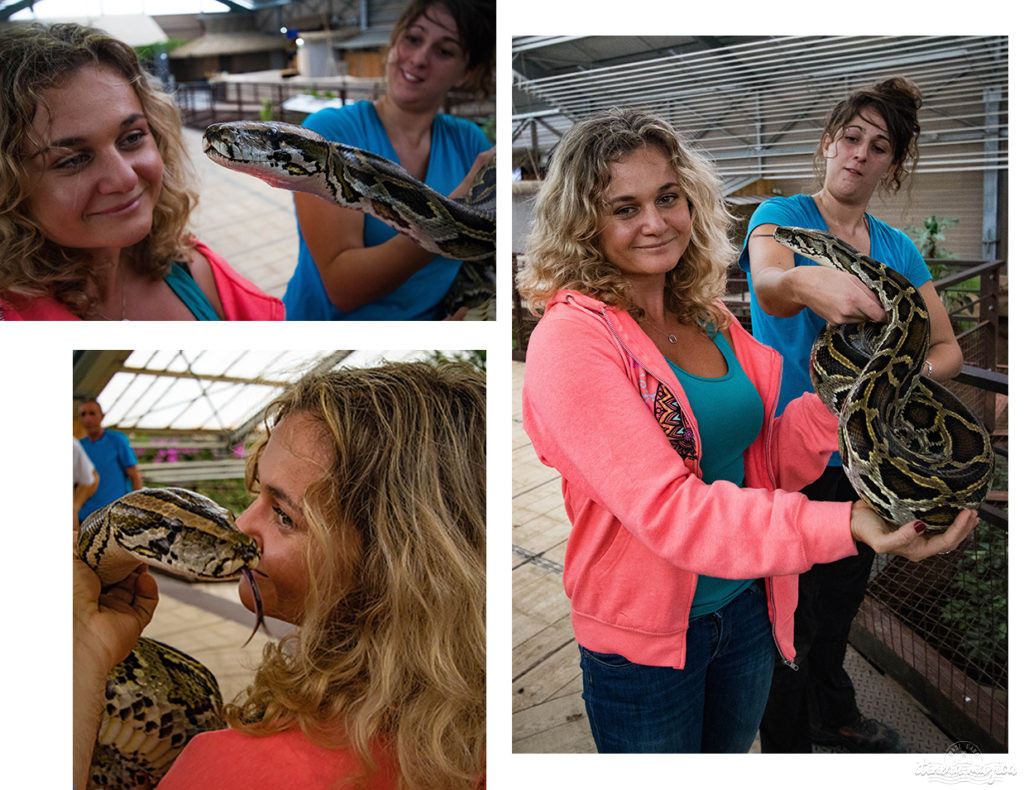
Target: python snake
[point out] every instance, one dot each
(295, 158)
(910, 448)
(158, 698)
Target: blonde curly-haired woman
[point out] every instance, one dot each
(370, 514)
(658, 409)
(95, 191)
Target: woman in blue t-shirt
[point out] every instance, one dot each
(869, 142)
(352, 266)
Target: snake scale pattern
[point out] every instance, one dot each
(158, 698)
(295, 158)
(910, 448)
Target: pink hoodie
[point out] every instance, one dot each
(242, 300)
(599, 402)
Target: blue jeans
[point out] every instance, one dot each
(713, 704)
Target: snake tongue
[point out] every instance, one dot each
(257, 600)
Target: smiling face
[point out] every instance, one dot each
(859, 157)
(427, 60)
(293, 458)
(646, 225)
(99, 171)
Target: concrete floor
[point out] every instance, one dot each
(248, 222)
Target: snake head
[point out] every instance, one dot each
(182, 532)
(282, 154)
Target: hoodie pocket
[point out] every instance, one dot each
(631, 587)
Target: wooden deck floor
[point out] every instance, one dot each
(547, 709)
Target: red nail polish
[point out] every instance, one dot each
(919, 526)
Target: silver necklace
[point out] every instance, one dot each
(671, 336)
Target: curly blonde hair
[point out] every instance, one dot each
(33, 59)
(391, 649)
(562, 250)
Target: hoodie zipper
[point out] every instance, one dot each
(773, 610)
(692, 418)
(774, 386)
(769, 585)
(768, 581)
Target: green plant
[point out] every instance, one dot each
(150, 52)
(267, 110)
(928, 236)
(977, 609)
(231, 494)
(489, 127)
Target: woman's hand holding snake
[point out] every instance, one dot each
(483, 159)
(837, 296)
(784, 289)
(137, 701)
(108, 624)
(907, 541)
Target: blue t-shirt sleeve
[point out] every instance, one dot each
(470, 138)
(125, 453)
(774, 211)
(348, 125)
(454, 148)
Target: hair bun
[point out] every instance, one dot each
(900, 90)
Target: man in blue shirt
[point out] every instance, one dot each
(112, 456)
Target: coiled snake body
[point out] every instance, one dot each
(910, 448)
(299, 159)
(158, 697)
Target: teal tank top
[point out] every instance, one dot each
(188, 290)
(729, 414)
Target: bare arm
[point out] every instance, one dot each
(354, 275)
(82, 492)
(135, 477)
(944, 351)
(784, 289)
(106, 627)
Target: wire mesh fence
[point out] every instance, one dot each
(946, 619)
(941, 625)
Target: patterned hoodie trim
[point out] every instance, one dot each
(673, 422)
